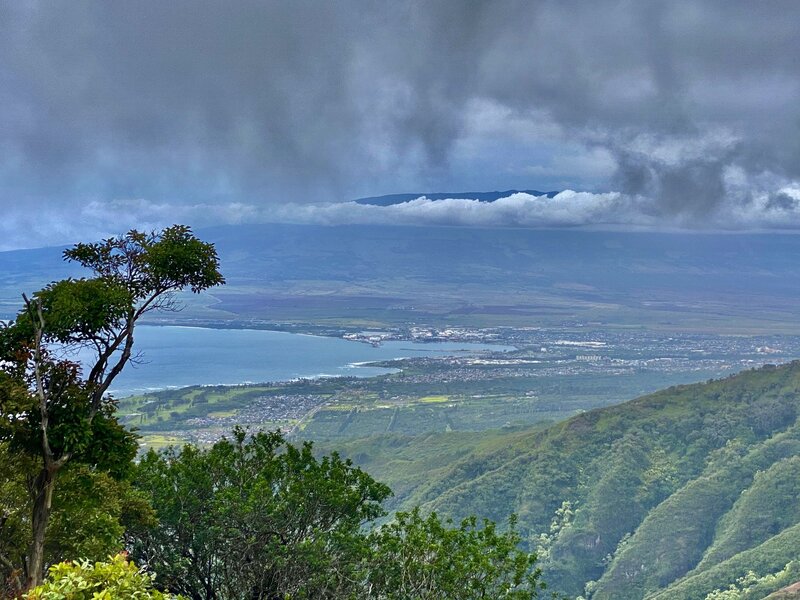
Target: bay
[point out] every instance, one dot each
(174, 356)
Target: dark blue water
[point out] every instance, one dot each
(182, 356)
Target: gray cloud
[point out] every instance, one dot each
(690, 110)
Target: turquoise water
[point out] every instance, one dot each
(182, 356)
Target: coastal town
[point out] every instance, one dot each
(536, 374)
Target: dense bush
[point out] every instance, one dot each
(426, 557)
(256, 517)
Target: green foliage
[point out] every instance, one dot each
(114, 579)
(14, 400)
(411, 464)
(145, 262)
(654, 484)
(90, 512)
(50, 408)
(752, 587)
(673, 537)
(133, 274)
(426, 558)
(80, 309)
(14, 517)
(255, 516)
(561, 522)
(767, 507)
(770, 557)
(98, 440)
(255, 513)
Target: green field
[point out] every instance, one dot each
(402, 403)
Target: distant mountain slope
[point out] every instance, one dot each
(669, 496)
(389, 275)
(391, 199)
(386, 275)
(27, 271)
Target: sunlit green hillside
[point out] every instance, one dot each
(669, 496)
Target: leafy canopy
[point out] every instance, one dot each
(41, 383)
(255, 513)
(421, 558)
(258, 517)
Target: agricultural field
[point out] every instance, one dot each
(346, 408)
(551, 375)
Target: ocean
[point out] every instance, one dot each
(171, 356)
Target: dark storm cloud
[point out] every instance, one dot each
(191, 103)
(160, 97)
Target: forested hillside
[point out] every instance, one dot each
(692, 492)
(673, 495)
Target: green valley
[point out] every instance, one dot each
(672, 495)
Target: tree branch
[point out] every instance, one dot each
(7, 563)
(102, 386)
(38, 319)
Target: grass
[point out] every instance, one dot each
(434, 399)
(221, 414)
(158, 441)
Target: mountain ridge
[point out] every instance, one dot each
(383, 276)
(671, 495)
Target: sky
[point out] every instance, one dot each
(648, 115)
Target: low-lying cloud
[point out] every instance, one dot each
(568, 209)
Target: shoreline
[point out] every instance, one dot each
(267, 363)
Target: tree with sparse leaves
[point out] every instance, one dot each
(56, 410)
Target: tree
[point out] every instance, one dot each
(256, 517)
(90, 512)
(49, 408)
(426, 558)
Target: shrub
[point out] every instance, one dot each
(83, 580)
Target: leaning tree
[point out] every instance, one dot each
(55, 408)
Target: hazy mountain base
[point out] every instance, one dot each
(672, 495)
(481, 276)
(378, 276)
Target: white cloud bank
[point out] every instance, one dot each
(745, 211)
(611, 210)
(567, 209)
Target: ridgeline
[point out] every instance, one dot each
(669, 496)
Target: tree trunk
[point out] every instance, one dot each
(43, 490)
